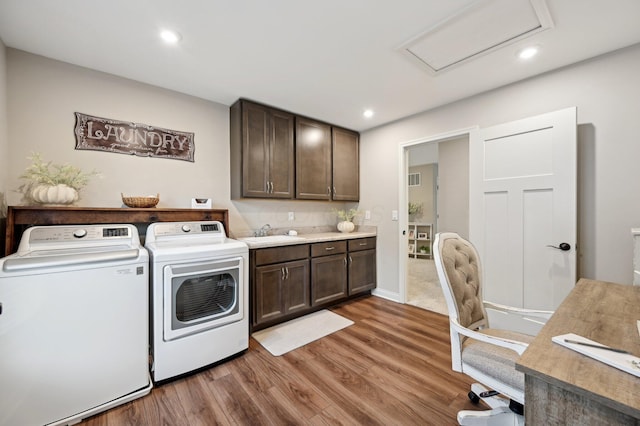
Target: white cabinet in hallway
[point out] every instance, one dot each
(420, 237)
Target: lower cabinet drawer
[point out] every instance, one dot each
(362, 244)
(328, 248)
(266, 256)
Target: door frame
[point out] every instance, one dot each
(403, 194)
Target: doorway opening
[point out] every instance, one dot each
(439, 204)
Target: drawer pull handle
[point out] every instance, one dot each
(363, 244)
(329, 248)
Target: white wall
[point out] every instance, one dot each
(605, 90)
(43, 95)
(424, 194)
(453, 193)
(4, 132)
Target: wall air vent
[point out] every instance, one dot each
(481, 28)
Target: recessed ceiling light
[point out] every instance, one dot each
(368, 113)
(170, 37)
(528, 52)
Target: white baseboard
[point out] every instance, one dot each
(385, 294)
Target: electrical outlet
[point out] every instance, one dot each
(291, 216)
(367, 214)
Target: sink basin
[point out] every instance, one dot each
(269, 239)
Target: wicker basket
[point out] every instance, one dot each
(141, 202)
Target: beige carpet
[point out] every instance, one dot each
(298, 332)
(423, 286)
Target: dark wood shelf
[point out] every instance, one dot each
(20, 218)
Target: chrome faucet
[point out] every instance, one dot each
(263, 232)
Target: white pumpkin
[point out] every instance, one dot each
(54, 194)
(346, 226)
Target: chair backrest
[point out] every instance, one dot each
(458, 266)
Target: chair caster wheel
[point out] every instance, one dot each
(473, 397)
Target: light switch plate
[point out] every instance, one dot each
(291, 216)
(394, 214)
(367, 214)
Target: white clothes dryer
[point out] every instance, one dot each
(74, 323)
(199, 296)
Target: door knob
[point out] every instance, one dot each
(562, 246)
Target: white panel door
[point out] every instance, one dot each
(522, 201)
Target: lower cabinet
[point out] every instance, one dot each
(362, 265)
(328, 272)
(290, 281)
(281, 289)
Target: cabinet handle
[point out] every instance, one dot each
(266, 183)
(286, 269)
(329, 191)
(272, 187)
(334, 191)
(345, 262)
(329, 248)
(363, 244)
(283, 275)
(350, 260)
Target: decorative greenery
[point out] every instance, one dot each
(48, 173)
(347, 215)
(425, 249)
(415, 208)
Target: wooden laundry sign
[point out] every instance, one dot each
(103, 134)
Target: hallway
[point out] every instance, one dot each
(423, 286)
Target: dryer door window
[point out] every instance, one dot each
(206, 295)
(202, 296)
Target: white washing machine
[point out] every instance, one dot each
(199, 296)
(73, 324)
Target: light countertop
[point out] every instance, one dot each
(277, 240)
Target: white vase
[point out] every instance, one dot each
(54, 194)
(346, 226)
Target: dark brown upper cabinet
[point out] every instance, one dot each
(277, 154)
(327, 162)
(345, 164)
(262, 151)
(313, 160)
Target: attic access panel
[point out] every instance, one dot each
(484, 26)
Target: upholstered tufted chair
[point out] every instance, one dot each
(485, 354)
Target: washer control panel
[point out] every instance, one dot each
(70, 234)
(45, 239)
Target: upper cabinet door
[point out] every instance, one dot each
(313, 160)
(255, 150)
(281, 154)
(262, 156)
(346, 165)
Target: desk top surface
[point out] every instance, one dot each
(600, 311)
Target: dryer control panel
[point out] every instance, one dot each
(160, 230)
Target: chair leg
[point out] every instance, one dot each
(502, 416)
(493, 400)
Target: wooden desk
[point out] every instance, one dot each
(563, 387)
(21, 217)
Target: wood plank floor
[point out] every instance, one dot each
(392, 367)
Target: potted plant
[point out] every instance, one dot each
(346, 219)
(413, 209)
(49, 183)
(424, 249)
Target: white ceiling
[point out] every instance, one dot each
(327, 59)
